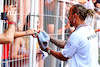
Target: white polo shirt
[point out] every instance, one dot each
(82, 48)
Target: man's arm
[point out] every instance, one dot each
(57, 55)
(57, 42)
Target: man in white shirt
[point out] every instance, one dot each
(82, 47)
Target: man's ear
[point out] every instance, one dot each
(76, 15)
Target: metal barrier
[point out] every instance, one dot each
(51, 16)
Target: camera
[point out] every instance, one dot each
(4, 16)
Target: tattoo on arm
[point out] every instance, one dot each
(58, 42)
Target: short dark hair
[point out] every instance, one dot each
(9, 2)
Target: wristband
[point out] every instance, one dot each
(12, 23)
(6, 21)
(98, 30)
(49, 51)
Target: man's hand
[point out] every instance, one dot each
(42, 47)
(47, 50)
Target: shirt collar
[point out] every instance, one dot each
(81, 26)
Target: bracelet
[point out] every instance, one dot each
(12, 23)
(26, 33)
(49, 51)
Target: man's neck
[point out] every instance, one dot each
(80, 23)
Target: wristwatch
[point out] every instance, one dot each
(49, 51)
